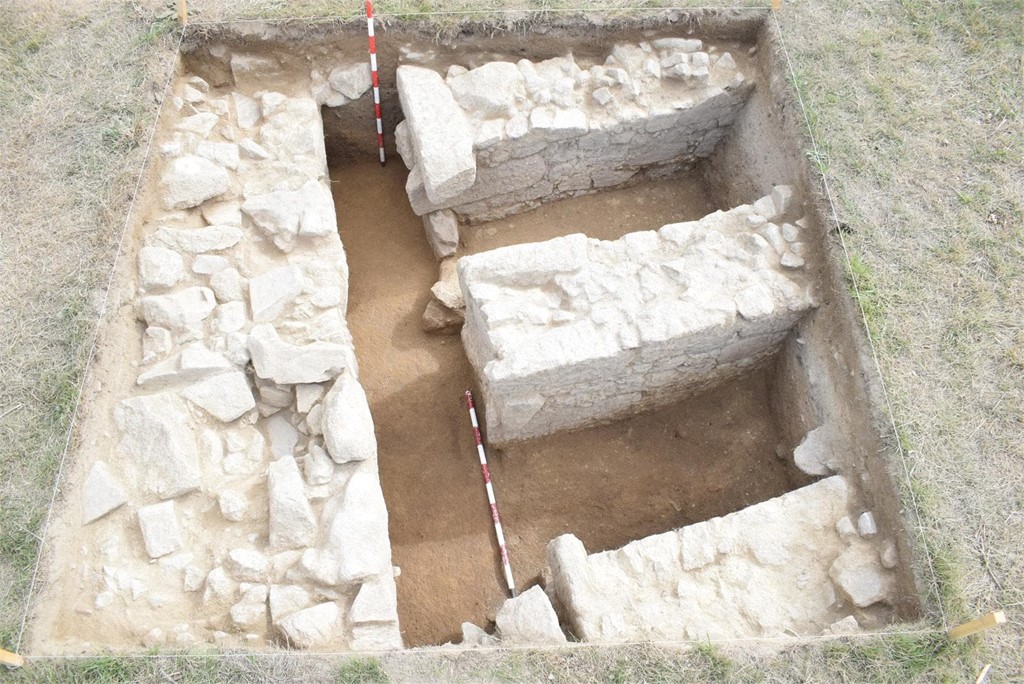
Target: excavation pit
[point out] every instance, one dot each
(288, 463)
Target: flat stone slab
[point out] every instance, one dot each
(772, 569)
(575, 331)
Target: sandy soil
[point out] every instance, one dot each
(705, 457)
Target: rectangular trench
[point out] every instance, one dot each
(712, 454)
(702, 458)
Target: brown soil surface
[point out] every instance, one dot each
(708, 456)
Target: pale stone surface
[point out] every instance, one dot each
(233, 505)
(101, 493)
(198, 240)
(447, 290)
(474, 637)
(866, 524)
(177, 310)
(576, 331)
(292, 523)
(286, 599)
(439, 131)
(318, 466)
(352, 81)
(848, 625)
(159, 524)
(271, 292)
(347, 424)
(762, 571)
(442, 229)
(157, 437)
(529, 620)
(283, 436)
(247, 565)
(375, 637)
(311, 627)
(648, 110)
(287, 215)
(251, 611)
(815, 455)
(289, 364)
(189, 181)
(860, 577)
(491, 89)
(228, 285)
(376, 601)
(225, 397)
(437, 318)
(356, 545)
(159, 267)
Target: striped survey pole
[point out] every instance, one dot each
(506, 566)
(376, 80)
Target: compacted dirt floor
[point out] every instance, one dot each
(708, 456)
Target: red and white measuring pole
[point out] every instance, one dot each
(506, 566)
(376, 80)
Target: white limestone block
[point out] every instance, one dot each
(574, 331)
(816, 453)
(352, 81)
(529, 620)
(250, 613)
(189, 181)
(772, 561)
(222, 153)
(271, 292)
(311, 627)
(233, 505)
(318, 466)
(176, 311)
(247, 565)
(376, 601)
(292, 523)
(101, 493)
(159, 267)
(208, 264)
(290, 364)
(159, 524)
(442, 230)
(157, 436)
(225, 397)
(198, 240)
(489, 90)
(347, 424)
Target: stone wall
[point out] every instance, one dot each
(576, 331)
(795, 565)
(241, 504)
(505, 137)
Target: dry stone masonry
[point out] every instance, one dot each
(792, 565)
(576, 331)
(244, 487)
(505, 137)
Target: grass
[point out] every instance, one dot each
(916, 105)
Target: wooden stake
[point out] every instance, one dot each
(11, 659)
(988, 621)
(183, 12)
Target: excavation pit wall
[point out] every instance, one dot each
(291, 275)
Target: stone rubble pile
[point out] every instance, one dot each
(244, 490)
(793, 565)
(575, 331)
(504, 137)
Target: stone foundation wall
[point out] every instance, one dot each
(505, 137)
(241, 503)
(793, 565)
(575, 331)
